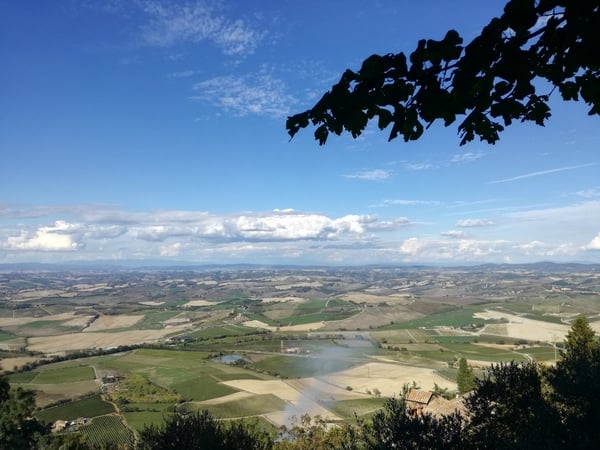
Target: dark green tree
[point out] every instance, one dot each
(535, 45)
(395, 427)
(18, 429)
(465, 379)
(575, 382)
(200, 430)
(508, 410)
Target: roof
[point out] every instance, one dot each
(418, 396)
(439, 406)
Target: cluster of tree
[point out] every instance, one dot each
(513, 406)
(535, 45)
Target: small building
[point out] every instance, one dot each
(424, 402)
(417, 400)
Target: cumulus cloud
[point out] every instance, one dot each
(464, 250)
(261, 94)
(472, 223)
(594, 244)
(62, 236)
(171, 232)
(169, 23)
(370, 175)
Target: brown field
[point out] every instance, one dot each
(199, 303)
(388, 378)
(301, 327)
(524, 328)
(103, 323)
(12, 322)
(51, 393)
(80, 341)
(358, 297)
(11, 363)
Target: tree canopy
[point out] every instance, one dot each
(506, 73)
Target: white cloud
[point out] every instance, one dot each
(259, 94)
(182, 74)
(471, 223)
(594, 243)
(540, 173)
(588, 193)
(370, 175)
(418, 166)
(407, 202)
(456, 234)
(292, 236)
(171, 23)
(62, 236)
(461, 158)
(172, 250)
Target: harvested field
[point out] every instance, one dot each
(523, 328)
(16, 321)
(103, 323)
(11, 363)
(301, 327)
(51, 393)
(288, 299)
(359, 297)
(388, 378)
(151, 303)
(79, 321)
(78, 341)
(198, 303)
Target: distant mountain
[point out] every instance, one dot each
(127, 265)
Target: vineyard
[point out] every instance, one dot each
(107, 430)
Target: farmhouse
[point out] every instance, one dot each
(425, 402)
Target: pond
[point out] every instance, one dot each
(230, 359)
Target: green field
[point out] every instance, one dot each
(87, 407)
(23, 377)
(154, 320)
(4, 336)
(483, 353)
(225, 331)
(107, 430)
(64, 375)
(456, 318)
(187, 373)
(347, 409)
(204, 388)
(140, 415)
(252, 406)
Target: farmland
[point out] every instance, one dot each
(124, 348)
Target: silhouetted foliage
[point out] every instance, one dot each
(18, 430)
(535, 45)
(575, 382)
(396, 427)
(200, 430)
(508, 410)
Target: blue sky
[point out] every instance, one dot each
(155, 130)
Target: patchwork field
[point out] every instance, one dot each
(272, 343)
